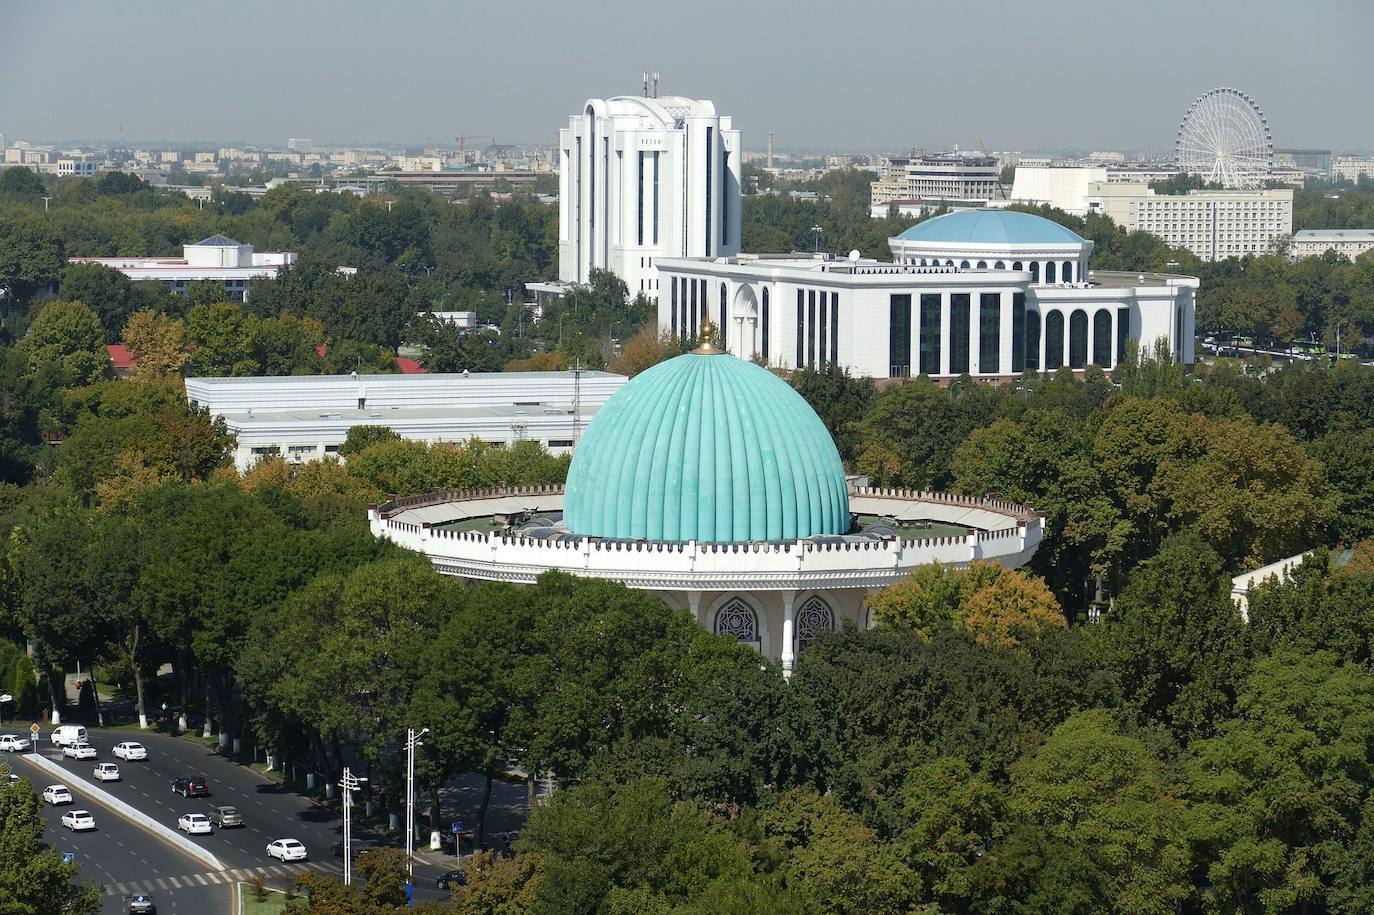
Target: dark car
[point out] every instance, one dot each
(224, 816)
(356, 848)
(452, 878)
(191, 785)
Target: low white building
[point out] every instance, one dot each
(991, 293)
(217, 259)
(303, 418)
(1348, 243)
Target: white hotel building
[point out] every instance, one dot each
(642, 179)
(990, 293)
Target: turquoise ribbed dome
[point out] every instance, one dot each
(706, 447)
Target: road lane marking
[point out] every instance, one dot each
(175, 884)
(120, 889)
(161, 884)
(199, 879)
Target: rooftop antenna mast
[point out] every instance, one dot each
(655, 95)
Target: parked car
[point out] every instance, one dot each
(65, 734)
(356, 848)
(286, 850)
(78, 820)
(452, 878)
(195, 824)
(79, 751)
(130, 750)
(57, 794)
(106, 772)
(141, 904)
(225, 816)
(191, 786)
(13, 743)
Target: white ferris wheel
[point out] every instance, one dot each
(1225, 138)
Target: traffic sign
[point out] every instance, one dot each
(457, 826)
(33, 729)
(68, 857)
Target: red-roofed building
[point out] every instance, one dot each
(410, 366)
(121, 358)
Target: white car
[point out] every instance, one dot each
(77, 820)
(13, 743)
(286, 850)
(57, 794)
(79, 751)
(195, 824)
(107, 772)
(130, 750)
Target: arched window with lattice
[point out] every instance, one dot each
(738, 620)
(814, 618)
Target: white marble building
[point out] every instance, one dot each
(645, 178)
(991, 293)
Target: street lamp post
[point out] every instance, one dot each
(816, 230)
(349, 783)
(412, 742)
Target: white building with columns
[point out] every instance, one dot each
(989, 293)
(642, 179)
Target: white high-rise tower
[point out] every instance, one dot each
(642, 178)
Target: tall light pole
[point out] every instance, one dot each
(45, 203)
(349, 783)
(817, 231)
(412, 742)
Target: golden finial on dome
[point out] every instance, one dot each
(707, 337)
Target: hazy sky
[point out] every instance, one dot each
(1091, 74)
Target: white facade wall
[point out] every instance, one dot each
(645, 178)
(1060, 187)
(1348, 243)
(896, 320)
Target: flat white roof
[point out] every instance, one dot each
(432, 378)
(1334, 235)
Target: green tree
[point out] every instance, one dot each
(1176, 639)
(841, 401)
(360, 437)
(68, 335)
(33, 878)
(21, 181)
(32, 256)
(1105, 803)
(106, 291)
(1281, 793)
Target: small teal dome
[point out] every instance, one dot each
(706, 447)
(992, 227)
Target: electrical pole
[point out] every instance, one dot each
(412, 741)
(349, 783)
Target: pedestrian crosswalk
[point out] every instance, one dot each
(208, 878)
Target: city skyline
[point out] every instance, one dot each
(1124, 84)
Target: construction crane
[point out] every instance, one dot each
(1001, 188)
(463, 145)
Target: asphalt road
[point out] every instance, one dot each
(122, 858)
(269, 810)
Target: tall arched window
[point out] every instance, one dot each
(1067, 273)
(814, 618)
(1016, 265)
(1033, 341)
(1035, 271)
(1054, 340)
(1102, 338)
(724, 318)
(1049, 272)
(763, 326)
(737, 619)
(1078, 339)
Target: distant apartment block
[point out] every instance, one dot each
(217, 259)
(1348, 243)
(1352, 168)
(1214, 225)
(945, 180)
